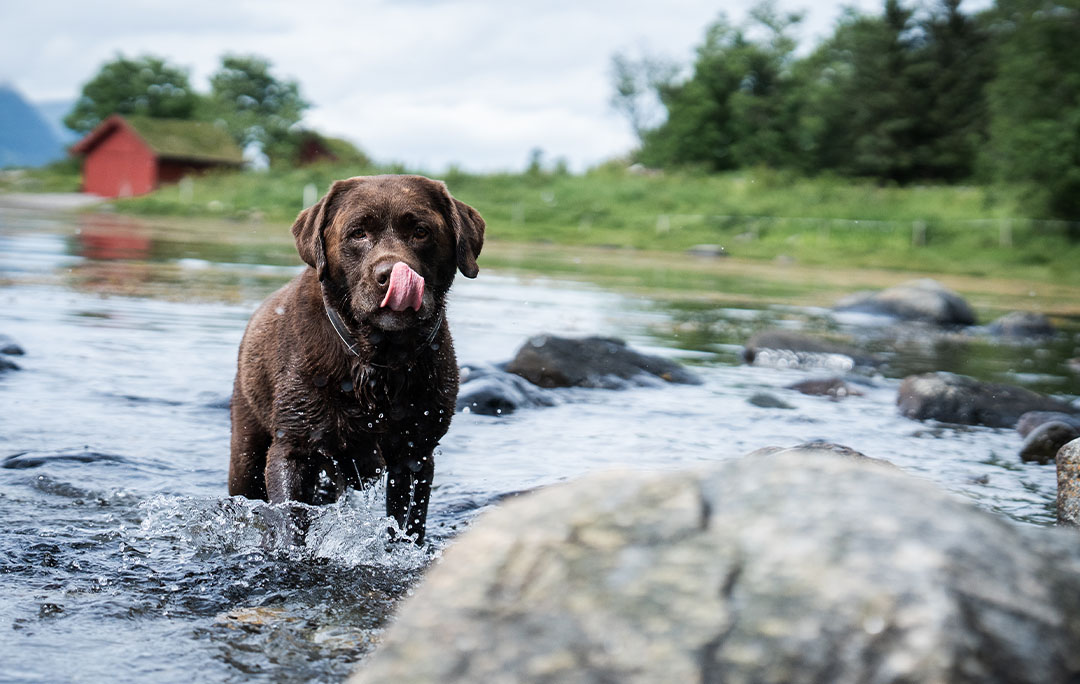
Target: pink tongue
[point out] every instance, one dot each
(406, 289)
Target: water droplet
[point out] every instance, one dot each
(427, 412)
(346, 386)
(279, 434)
(280, 311)
(435, 346)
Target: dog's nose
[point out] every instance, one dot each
(382, 273)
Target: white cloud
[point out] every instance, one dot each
(425, 82)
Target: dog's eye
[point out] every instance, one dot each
(421, 233)
(358, 235)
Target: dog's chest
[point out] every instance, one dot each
(344, 413)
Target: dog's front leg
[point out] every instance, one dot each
(288, 480)
(408, 488)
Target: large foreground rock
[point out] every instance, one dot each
(550, 361)
(923, 300)
(789, 567)
(950, 398)
(1068, 480)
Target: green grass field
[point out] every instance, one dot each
(755, 215)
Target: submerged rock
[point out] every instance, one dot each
(1042, 443)
(1068, 484)
(9, 347)
(492, 392)
(766, 400)
(789, 567)
(922, 300)
(549, 361)
(792, 349)
(834, 388)
(818, 448)
(950, 398)
(1022, 324)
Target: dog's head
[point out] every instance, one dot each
(389, 246)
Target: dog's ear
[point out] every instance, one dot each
(469, 231)
(309, 226)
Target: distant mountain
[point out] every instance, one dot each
(26, 138)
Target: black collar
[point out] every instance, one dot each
(350, 341)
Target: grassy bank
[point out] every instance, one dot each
(756, 215)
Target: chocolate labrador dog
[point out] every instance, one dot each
(348, 371)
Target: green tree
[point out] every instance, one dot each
(957, 120)
(144, 86)
(1035, 102)
(735, 109)
(896, 98)
(256, 106)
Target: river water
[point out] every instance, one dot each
(123, 559)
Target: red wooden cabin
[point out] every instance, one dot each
(127, 156)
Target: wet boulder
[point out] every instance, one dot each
(950, 398)
(793, 349)
(1022, 325)
(834, 388)
(488, 391)
(603, 362)
(924, 300)
(1033, 419)
(788, 567)
(1042, 443)
(1068, 484)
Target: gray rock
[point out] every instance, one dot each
(9, 347)
(766, 400)
(711, 251)
(922, 300)
(1022, 324)
(818, 448)
(950, 398)
(603, 362)
(491, 392)
(834, 388)
(1033, 419)
(790, 567)
(1068, 484)
(794, 349)
(1042, 443)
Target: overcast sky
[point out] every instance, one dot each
(429, 83)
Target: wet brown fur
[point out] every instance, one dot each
(311, 419)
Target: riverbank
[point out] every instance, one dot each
(758, 215)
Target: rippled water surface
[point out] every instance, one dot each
(122, 558)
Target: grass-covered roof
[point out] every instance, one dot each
(193, 140)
